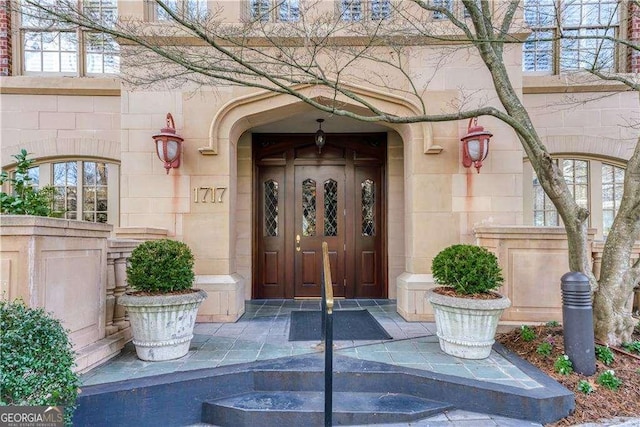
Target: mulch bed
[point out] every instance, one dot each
(602, 403)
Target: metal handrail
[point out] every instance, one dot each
(327, 284)
(327, 334)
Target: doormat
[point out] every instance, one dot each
(351, 325)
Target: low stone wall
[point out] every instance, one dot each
(59, 265)
(597, 250)
(533, 260)
(411, 291)
(74, 270)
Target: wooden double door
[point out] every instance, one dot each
(305, 196)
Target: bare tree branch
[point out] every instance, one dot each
(327, 52)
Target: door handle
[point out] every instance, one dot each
(298, 243)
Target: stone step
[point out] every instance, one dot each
(306, 408)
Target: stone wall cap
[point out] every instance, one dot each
(528, 230)
(141, 233)
(20, 225)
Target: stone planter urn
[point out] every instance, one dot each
(162, 304)
(466, 327)
(466, 307)
(162, 325)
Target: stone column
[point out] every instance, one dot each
(597, 248)
(119, 319)
(110, 301)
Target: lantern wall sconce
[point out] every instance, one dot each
(475, 145)
(169, 145)
(320, 136)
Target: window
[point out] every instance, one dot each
(289, 10)
(94, 192)
(380, 9)
(612, 188)
(359, 10)
(446, 4)
(84, 190)
(545, 50)
(595, 185)
(190, 9)
(53, 47)
(274, 10)
(65, 182)
(576, 175)
(32, 175)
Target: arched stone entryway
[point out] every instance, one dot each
(238, 120)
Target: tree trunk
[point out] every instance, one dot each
(612, 315)
(549, 174)
(613, 322)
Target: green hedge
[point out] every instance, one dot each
(37, 359)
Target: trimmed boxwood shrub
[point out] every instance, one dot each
(468, 269)
(37, 359)
(161, 266)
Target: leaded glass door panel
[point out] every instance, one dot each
(319, 216)
(270, 268)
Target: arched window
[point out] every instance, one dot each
(596, 185)
(85, 190)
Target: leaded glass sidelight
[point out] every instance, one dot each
(368, 207)
(271, 208)
(308, 207)
(330, 208)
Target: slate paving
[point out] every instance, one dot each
(262, 334)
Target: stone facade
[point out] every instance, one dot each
(432, 201)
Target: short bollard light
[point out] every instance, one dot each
(577, 320)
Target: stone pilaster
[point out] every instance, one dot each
(119, 319)
(110, 301)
